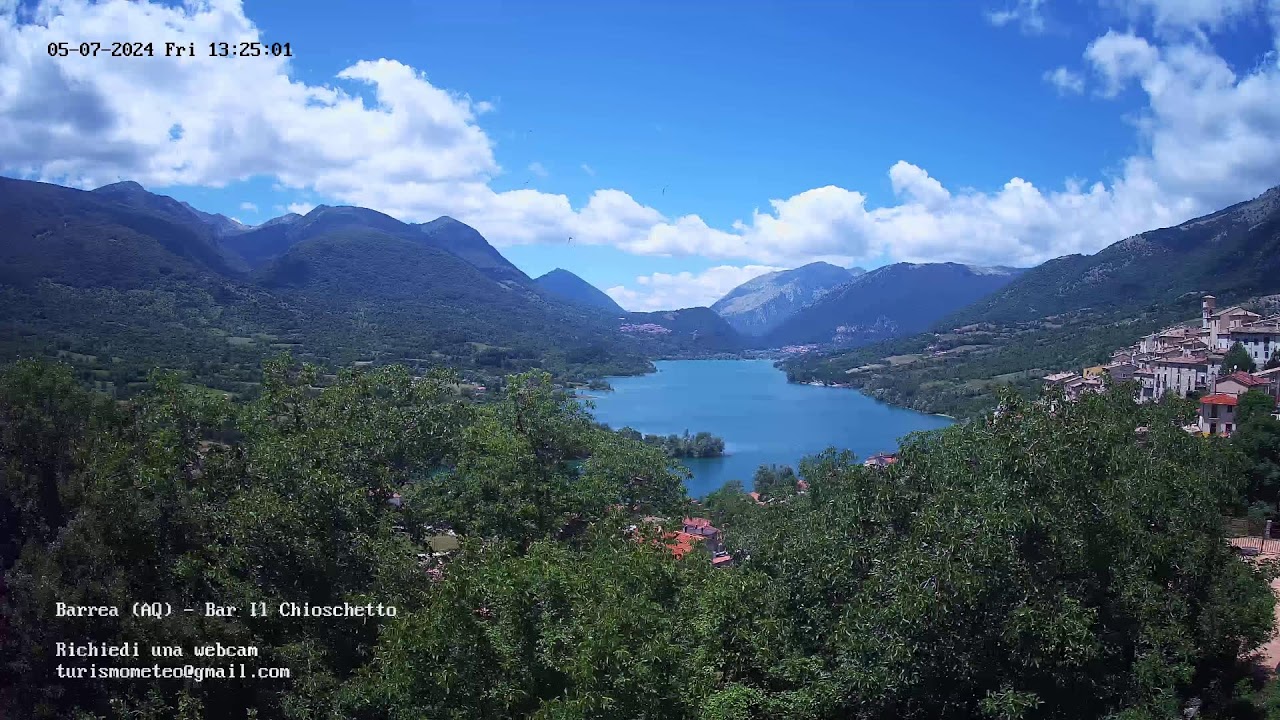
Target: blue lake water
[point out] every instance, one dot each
(762, 418)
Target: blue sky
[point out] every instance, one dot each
(884, 131)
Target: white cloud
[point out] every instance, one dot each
(1172, 16)
(663, 291)
(537, 169)
(249, 207)
(1121, 57)
(1207, 137)
(1067, 82)
(1027, 14)
(300, 208)
(588, 170)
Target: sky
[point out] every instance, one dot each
(667, 151)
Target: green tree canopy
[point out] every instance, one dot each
(1237, 358)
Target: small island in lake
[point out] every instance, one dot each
(699, 445)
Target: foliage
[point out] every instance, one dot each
(700, 445)
(1257, 436)
(774, 481)
(1273, 362)
(1237, 358)
(1051, 561)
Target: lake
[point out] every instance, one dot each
(762, 418)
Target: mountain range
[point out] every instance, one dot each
(120, 280)
(820, 303)
(1068, 313)
(760, 304)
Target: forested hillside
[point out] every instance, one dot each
(1039, 565)
(1066, 313)
(119, 280)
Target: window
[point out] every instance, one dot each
(1213, 411)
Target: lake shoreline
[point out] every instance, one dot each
(762, 417)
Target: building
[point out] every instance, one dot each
(1120, 371)
(1218, 414)
(1219, 323)
(1185, 375)
(1272, 377)
(1259, 338)
(1097, 371)
(1240, 382)
(1080, 385)
(1147, 382)
(703, 528)
(881, 460)
(1059, 379)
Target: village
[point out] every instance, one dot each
(1188, 361)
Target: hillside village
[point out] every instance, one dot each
(1187, 360)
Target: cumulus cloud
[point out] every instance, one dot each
(1028, 15)
(300, 208)
(248, 206)
(1195, 15)
(664, 291)
(1066, 82)
(382, 135)
(537, 169)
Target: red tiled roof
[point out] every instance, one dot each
(1218, 400)
(1245, 379)
(681, 543)
(722, 560)
(697, 522)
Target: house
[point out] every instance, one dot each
(703, 528)
(1184, 375)
(682, 543)
(1240, 382)
(1120, 371)
(1260, 339)
(1081, 385)
(1272, 376)
(1096, 371)
(1147, 381)
(1059, 379)
(722, 559)
(881, 460)
(1217, 414)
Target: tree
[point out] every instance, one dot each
(1273, 362)
(1237, 358)
(774, 481)
(1257, 436)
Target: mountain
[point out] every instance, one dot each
(134, 195)
(567, 286)
(1233, 253)
(465, 242)
(893, 300)
(1068, 313)
(698, 329)
(121, 281)
(761, 304)
(114, 238)
(268, 241)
